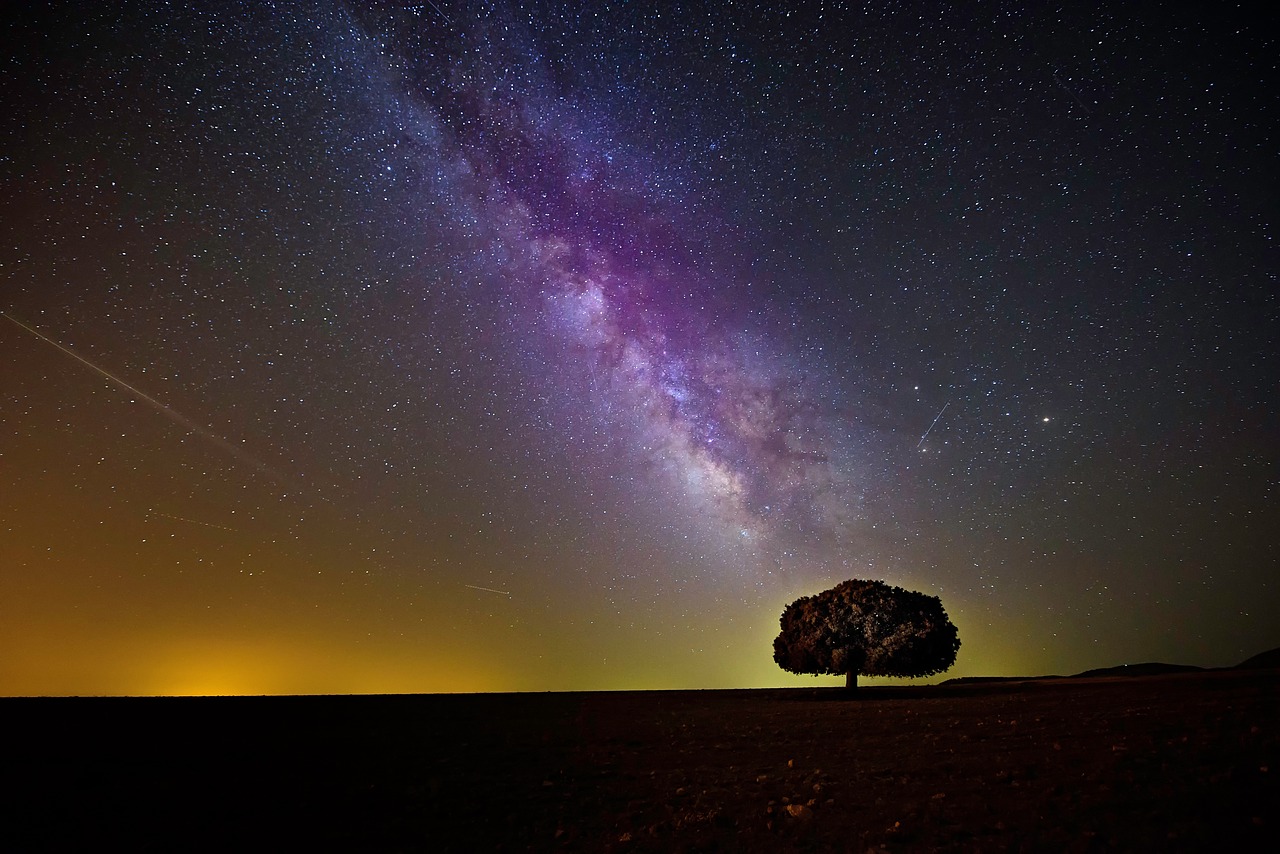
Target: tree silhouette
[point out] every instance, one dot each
(866, 627)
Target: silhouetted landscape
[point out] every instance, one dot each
(1168, 758)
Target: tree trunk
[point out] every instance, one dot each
(851, 681)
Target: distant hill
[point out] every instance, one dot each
(1268, 659)
(1262, 661)
(977, 680)
(1150, 668)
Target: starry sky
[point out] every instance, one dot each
(443, 346)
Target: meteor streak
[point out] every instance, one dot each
(172, 414)
(192, 521)
(488, 589)
(935, 421)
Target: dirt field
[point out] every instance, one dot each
(1168, 763)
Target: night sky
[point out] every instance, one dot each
(442, 346)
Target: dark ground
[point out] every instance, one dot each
(1185, 762)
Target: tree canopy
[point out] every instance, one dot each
(869, 628)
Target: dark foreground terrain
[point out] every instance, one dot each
(1159, 763)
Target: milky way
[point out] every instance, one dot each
(713, 408)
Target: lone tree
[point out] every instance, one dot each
(866, 627)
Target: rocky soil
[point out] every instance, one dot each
(1181, 762)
